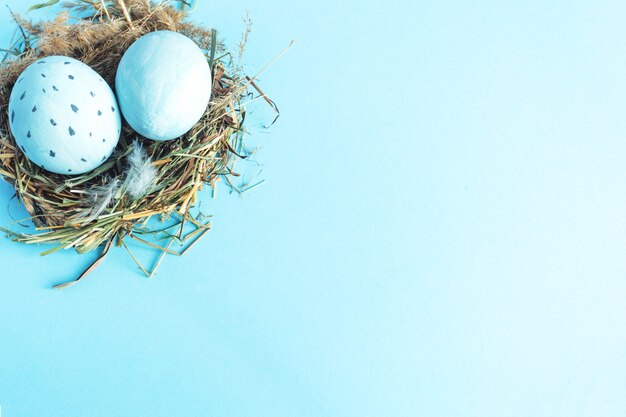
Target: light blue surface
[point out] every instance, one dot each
(441, 233)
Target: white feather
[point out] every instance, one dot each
(139, 177)
(140, 173)
(99, 197)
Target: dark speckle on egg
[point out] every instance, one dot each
(70, 107)
(41, 62)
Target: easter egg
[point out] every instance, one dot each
(64, 116)
(163, 85)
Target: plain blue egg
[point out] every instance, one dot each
(163, 85)
(64, 116)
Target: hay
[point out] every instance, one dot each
(98, 33)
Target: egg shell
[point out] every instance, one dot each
(64, 116)
(163, 85)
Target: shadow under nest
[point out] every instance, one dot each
(98, 34)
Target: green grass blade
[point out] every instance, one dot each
(213, 48)
(42, 5)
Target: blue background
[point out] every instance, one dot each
(441, 232)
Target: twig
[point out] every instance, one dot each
(269, 64)
(134, 258)
(126, 14)
(106, 10)
(160, 258)
(91, 267)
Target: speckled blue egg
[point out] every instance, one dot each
(64, 116)
(163, 85)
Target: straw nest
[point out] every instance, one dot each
(98, 33)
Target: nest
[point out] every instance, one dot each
(98, 33)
